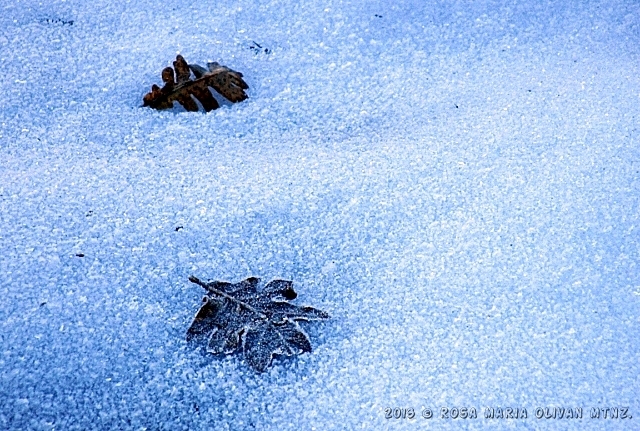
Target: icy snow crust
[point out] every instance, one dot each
(457, 183)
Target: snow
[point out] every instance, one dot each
(456, 183)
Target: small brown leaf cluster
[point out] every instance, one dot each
(179, 87)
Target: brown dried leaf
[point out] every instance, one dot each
(178, 86)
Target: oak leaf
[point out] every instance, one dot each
(261, 322)
(178, 86)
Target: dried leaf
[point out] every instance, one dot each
(262, 322)
(178, 86)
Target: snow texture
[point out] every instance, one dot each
(456, 183)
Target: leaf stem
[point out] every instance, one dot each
(213, 290)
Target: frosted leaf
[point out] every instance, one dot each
(262, 322)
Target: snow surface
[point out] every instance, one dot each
(457, 183)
